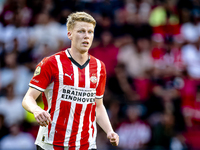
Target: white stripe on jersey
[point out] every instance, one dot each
(90, 129)
(56, 113)
(76, 76)
(36, 87)
(87, 77)
(70, 123)
(98, 71)
(78, 136)
(73, 105)
(87, 85)
(95, 133)
(48, 94)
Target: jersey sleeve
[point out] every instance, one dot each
(42, 76)
(102, 82)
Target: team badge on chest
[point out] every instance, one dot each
(93, 79)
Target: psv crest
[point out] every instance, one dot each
(37, 71)
(93, 79)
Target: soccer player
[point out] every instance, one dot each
(72, 84)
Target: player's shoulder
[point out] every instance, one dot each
(98, 60)
(52, 57)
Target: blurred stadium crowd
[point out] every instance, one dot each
(151, 49)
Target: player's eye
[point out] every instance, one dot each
(90, 31)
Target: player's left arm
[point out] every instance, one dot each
(104, 122)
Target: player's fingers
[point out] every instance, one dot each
(45, 119)
(114, 139)
(36, 118)
(41, 121)
(49, 118)
(113, 136)
(110, 136)
(114, 143)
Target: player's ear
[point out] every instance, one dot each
(69, 34)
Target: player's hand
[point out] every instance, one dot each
(42, 116)
(113, 137)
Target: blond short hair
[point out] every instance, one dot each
(79, 16)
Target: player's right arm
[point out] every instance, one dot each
(29, 103)
(39, 82)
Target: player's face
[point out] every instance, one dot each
(81, 36)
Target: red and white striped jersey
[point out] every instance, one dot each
(69, 92)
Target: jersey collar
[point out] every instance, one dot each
(75, 62)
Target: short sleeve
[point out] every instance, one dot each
(102, 82)
(42, 76)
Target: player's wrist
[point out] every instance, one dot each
(110, 131)
(35, 109)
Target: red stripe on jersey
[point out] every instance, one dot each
(61, 124)
(93, 117)
(68, 72)
(45, 101)
(84, 147)
(81, 74)
(101, 86)
(93, 72)
(54, 98)
(85, 130)
(72, 148)
(58, 147)
(77, 114)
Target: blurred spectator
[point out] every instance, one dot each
(13, 8)
(140, 7)
(133, 133)
(17, 140)
(158, 49)
(191, 114)
(137, 61)
(3, 128)
(178, 143)
(119, 21)
(11, 108)
(48, 36)
(125, 83)
(168, 56)
(14, 73)
(136, 58)
(136, 27)
(191, 58)
(191, 28)
(164, 132)
(164, 19)
(188, 93)
(165, 98)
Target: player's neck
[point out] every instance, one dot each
(80, 58)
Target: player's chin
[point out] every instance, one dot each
(84, 49)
